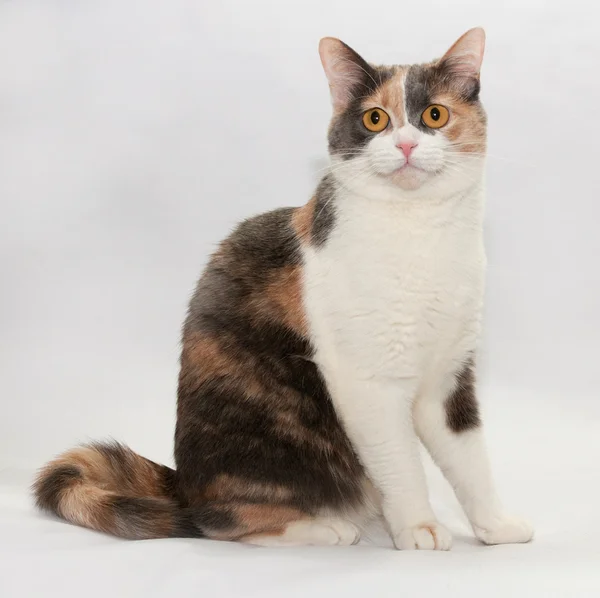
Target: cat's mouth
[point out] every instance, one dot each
(408, 171)
(407, 167)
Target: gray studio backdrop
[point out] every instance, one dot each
(133, 135)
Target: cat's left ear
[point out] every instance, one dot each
(464, 58)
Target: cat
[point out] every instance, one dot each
(322, 342)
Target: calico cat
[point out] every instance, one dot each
(323, 342)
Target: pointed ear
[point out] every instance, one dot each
(464, 58)
(346, 71)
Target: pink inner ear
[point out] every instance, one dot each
(466, 55)
(342, 70)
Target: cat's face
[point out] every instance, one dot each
(406, 130)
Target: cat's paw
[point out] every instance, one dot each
(425, 536)
(506, 530)
(326, 531)
(347, 533)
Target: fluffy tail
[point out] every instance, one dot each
(109, 488)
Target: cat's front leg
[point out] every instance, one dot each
(377, 415)
(447, 421)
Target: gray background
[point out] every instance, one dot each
(133, 135)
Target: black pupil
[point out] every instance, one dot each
(435, 114)
(375, 117)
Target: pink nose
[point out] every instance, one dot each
(407, 147)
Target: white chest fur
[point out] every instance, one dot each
(396, 291)
(394, 300)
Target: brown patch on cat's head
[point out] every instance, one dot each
(466, 128)
(390, 96)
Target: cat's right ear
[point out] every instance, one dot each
(345, 70)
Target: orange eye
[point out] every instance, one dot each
(375, 120)
(435, 116)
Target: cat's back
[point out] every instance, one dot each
(253, 277)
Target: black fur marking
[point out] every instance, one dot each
(462, 409)
(419, 88)
(212, 517)
(139, 518)
(50, 488)
(424, 82)
(347, 132)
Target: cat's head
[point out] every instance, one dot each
(406, 130)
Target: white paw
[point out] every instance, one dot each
(310, 532)
(347, 533)
(426, 536)
(505, 530)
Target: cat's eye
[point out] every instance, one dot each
(435, 116)
(375, 120)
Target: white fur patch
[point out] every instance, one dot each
(393, 301)
(311, 532)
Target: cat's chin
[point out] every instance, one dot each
(409, 178)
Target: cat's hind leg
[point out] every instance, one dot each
(320, 531)
(272, 525)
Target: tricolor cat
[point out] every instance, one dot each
(323, 342)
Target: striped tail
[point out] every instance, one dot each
(109, 488)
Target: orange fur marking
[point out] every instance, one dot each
(302, 220)
(390, 97)
(284, 294)
(465, 127)
(256, 519)
(229, 487)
